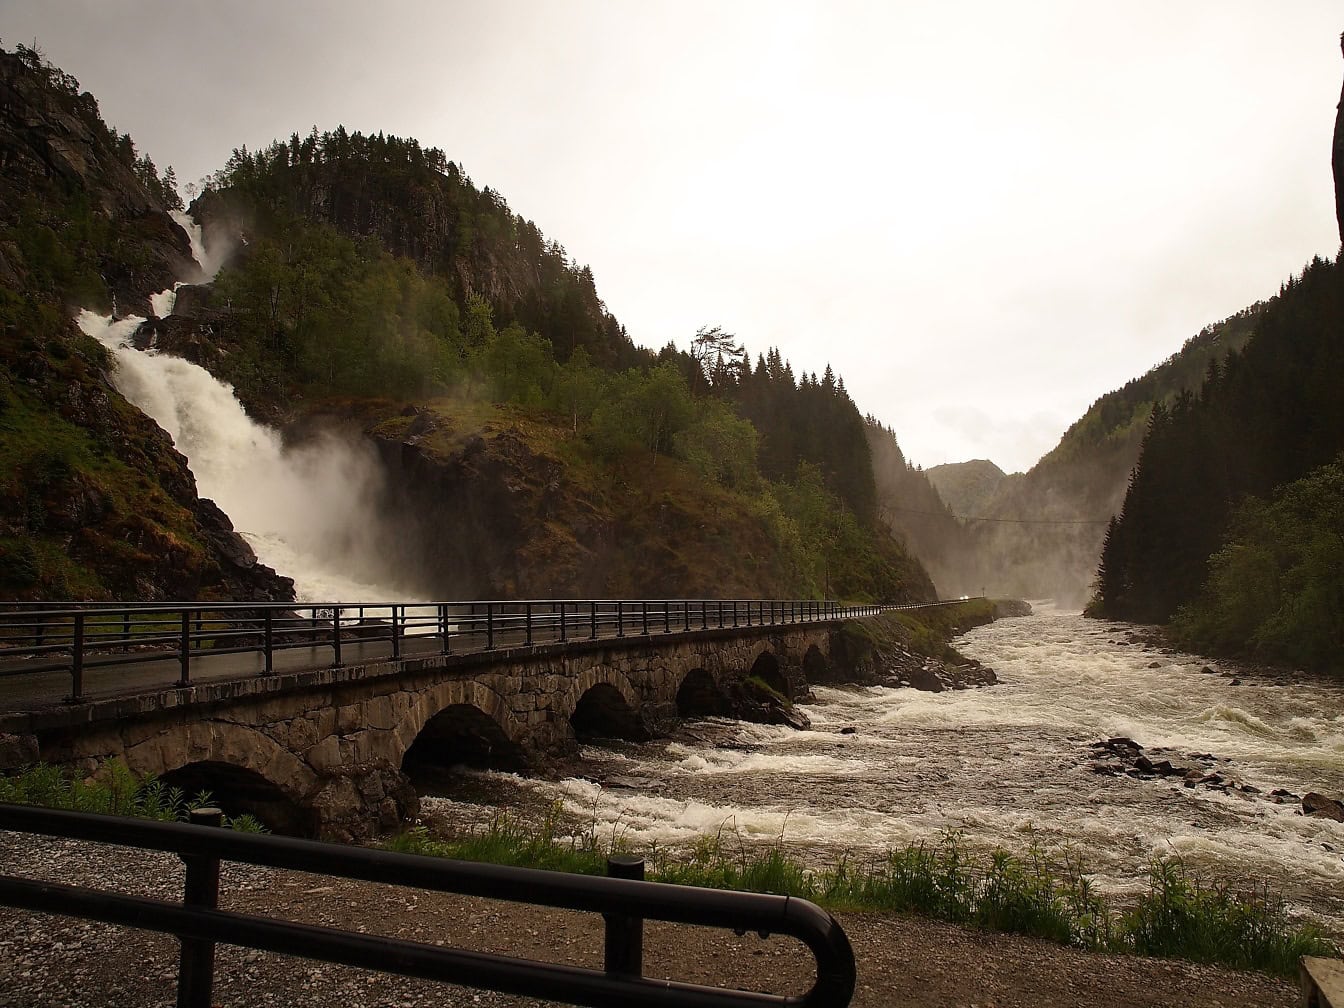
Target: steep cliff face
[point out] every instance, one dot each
(94, 500)
(490, 504)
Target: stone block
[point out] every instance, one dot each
(17, 751)
(349, 719)
(380, 712)
(302, 735)
(326, 755)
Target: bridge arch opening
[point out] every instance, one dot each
(603, 713)
(462, 735)
(699, 696)
(238, 791)
(816, 668)
(766, 669)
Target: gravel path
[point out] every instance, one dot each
(56, 961)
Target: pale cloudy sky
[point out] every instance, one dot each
(982, 214)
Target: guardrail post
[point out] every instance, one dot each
(564, 635)
(667, 616)
(396, 632)
(489, 626)
(734, 612)
(335, 636)
(624, 935)
(527, 619)
(196, 961)
(443, 628)
(592, 617)
(644, 617)
(77, 660)
(686, 612)
(184, 649)
(620, 619)
(268, 640)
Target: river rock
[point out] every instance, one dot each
(1320, 807)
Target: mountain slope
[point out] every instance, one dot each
(94, 501)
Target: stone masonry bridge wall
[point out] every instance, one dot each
(324, 752)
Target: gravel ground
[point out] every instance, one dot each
(57, 961)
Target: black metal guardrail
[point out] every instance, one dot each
(38, 638)
(624, 902)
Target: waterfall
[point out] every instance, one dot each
(310, 511)
(210, 261)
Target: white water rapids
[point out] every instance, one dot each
(309, 511)
(1007, 765)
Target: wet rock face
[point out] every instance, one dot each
(54, 143)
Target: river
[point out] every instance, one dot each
(1006, 766)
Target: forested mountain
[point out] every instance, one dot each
(418, 205)
(1269, 416)
(373, 287)
(1234, 518)
(967, 487)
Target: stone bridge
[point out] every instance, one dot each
(327, 752)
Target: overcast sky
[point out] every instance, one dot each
(983, 215)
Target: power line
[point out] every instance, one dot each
(1005, 521)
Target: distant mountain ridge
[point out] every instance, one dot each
(966, 486)
(1044, 529)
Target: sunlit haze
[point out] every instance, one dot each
(982, 215)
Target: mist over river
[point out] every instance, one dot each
(1007, 765)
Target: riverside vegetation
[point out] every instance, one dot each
(1043, 894)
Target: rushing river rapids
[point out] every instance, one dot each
(1007, 766)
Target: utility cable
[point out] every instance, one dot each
(1004, 521)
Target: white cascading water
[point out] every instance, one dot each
(1007, 766)
(309, 511)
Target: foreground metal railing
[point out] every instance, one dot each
(79, 639)
(624, 902)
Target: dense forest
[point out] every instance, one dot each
(1233, 523)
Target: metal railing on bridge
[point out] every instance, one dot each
(625, 903)
(212, 641)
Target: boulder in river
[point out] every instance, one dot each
(1320, 807)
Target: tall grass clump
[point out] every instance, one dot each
(1186, 917)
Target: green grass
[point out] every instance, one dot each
(1179, 916)
(112, 790)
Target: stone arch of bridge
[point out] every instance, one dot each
(765, 665)
(816, 665)
(244, 769)
(602, 701)
(458, 698)
(699, 694)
